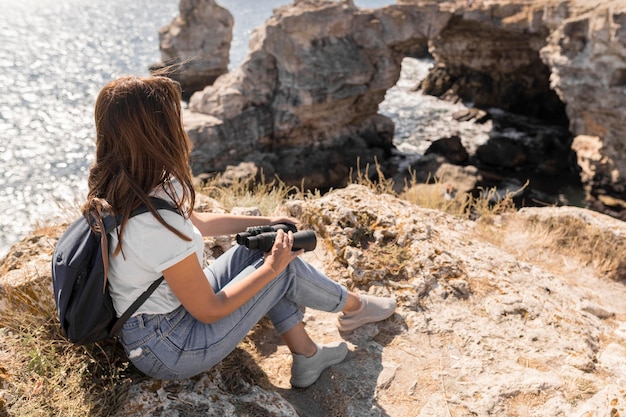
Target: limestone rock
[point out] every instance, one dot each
(559, 61)
(195, 46)
(205, 396)
(586, 55)
(609, 402)
(488, 55)
(304, 103)
(486, 325)
(25, 277)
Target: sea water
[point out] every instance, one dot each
(55, 56)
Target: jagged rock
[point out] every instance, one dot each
(304, 104)
(195, 46)
(451, 148)
(245, 173)
(545, 59)
(501, 151)
(488, 55)
(480, 116)
(305, 100)
(586, 54)
(25, 280)
(207, 395)
(609, 402)
(486, 325)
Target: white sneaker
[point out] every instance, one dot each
(305, 371)
(372, 309)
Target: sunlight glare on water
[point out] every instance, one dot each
(56, 55)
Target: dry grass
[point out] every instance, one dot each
(43, 374)
(521, 404)
(562, 237)
(579, 390)
(439, 195)
(380, 185)
(268, 197)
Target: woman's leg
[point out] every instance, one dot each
(314, 290)
(304, 285)
(298, 341)
(178, 346)
(228, 266)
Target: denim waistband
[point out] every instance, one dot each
(141, 320)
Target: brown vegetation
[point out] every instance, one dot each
(43, 374)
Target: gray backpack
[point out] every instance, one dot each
(82, 298)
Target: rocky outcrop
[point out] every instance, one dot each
(195, 46)
(586, 53)
(560, 61)
(492, 320)
(304, 103)
(488, 55)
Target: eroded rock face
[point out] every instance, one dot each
(488, 55)
(304, 104)
(519, 55)
(586, 53)
(195, 46)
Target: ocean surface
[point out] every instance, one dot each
(55, 56)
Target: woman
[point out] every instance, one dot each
(197, 316)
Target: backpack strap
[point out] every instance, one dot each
(110, 223)
(134, 306)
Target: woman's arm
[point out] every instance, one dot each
(216, 224)
(189, 284)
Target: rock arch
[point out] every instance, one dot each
(304, 103)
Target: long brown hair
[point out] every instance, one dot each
(140, 145)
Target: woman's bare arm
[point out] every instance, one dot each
(217, 224)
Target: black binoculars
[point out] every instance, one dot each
(262, 237)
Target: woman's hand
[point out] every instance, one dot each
(281, 253)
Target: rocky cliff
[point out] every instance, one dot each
(585, 53)
(555, 60)
(195, 46)
(304, 104)
(508, 316)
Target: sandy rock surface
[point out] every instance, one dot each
(481, 328)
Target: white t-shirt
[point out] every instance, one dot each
(148, 249)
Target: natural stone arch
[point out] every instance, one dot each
(488, 64)
(304, 103)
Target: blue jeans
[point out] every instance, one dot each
(176, 345)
